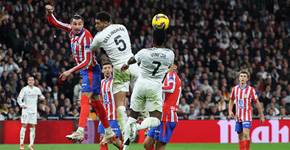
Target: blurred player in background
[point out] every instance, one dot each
(110, 106)
(148, 88)
(171, 93)
(30, 94)
(243, 95)
(114, 39)
(90, 70)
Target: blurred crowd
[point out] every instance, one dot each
(211, 39)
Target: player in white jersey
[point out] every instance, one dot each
(114, 39)
(148, 88)
(30, 95)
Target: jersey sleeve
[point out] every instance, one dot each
(58, 24)
(233, 94)
(88, 55)
(40, 94)
(95, 44)
(254, 95)
(138, 57)
(20, 97)
(169, 84)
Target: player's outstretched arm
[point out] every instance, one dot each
(53, 21)
(262, 119)
(132, 60)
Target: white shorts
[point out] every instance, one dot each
(122, 80)
(146, 94)
(29, 118)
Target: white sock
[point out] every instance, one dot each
(148, 123)
(22, 134)
(122, 117)
(128, 130)
(80, 130)
(32, 135)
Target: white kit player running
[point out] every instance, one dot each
(30, 95)
(148, 88)
(114, 39)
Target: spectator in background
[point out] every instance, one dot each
(183, 108)
(11, 66)
(77, 91)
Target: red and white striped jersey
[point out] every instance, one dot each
(108, 98)
(171, 94)
(244, 98)
(80, 44)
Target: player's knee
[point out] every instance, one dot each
(147, 145)
(24, 125)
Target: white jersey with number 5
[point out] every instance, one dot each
(115, 40)
(30, 96)
(154, 63)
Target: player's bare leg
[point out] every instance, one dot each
(22, 135)
(101, 112)
(160, 145)
(246, 133)
(120, 98)
(148, 143)
(84, 114)
(32, 136)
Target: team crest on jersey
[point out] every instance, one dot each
(241, 104)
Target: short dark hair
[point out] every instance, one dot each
(107, 63)
(76, 16)
(175, 63)
(103, 16)
(159, 37)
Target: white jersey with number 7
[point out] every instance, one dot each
(154, 63)
(115, 40)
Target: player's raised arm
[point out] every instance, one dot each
(132, 60)
(53, 21)
(169, 88)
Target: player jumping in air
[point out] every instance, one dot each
(30, 94)
(243, 95)
(114, 39)
(171, 94)
(148, 88)
(110, 106)
(90, 70)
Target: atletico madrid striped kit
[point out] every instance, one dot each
(84, 57)
(108, 98)
(243, 98)
(110, 106)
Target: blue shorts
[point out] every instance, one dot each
(92, 80)
(241, 125)
(114, 125)
(162, 132)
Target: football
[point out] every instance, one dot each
(160, 22)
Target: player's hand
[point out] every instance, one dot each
(24, 107)
(124, 67)
(262, 119)
(49, 9)
(231, 114)
(64, 75)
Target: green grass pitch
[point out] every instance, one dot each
(191, 146)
